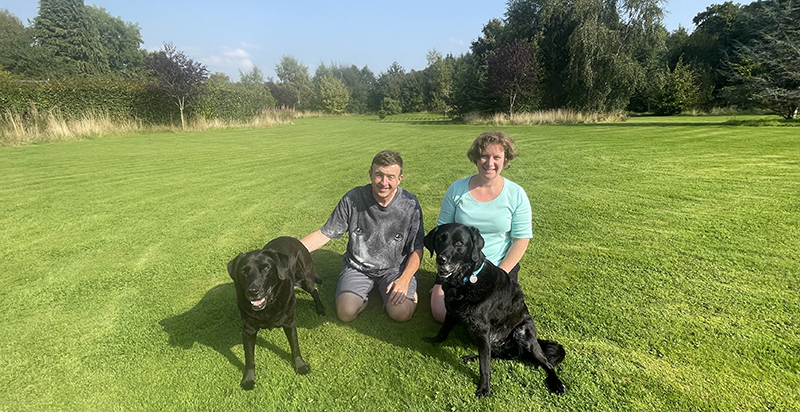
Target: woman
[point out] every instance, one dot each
(498, 207)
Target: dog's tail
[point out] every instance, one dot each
(553, 351)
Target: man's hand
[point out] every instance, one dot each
(397, 291)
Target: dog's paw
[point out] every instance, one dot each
(302, 369)
(248, 380)
(555, 385)
(469, 358)
(433, 340)
(483, 392)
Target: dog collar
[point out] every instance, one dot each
(474, 277)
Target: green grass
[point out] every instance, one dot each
(664, 258)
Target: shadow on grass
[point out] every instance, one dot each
(376, 323)
(214, 322)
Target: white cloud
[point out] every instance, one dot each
(251, 46)
(457, 42)
(230, 59)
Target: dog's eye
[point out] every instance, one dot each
(266, 268)
(459, 243)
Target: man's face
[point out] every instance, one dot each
(384, 181)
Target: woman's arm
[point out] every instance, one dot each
(514, 254)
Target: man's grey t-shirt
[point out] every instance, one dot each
(381, 238)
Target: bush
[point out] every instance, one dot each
(677, 92)
(74, 97)
(390, 106)
(233, 101)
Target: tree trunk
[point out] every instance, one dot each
(181, 101)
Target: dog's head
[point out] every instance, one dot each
(458, 248)
(257, 274)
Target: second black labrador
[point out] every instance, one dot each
(265, 280)
(489, 303)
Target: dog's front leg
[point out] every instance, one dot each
(485, 356)
(450, 322)
(249, 344)
(300, 366)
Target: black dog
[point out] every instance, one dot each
(265, 280)
(489, 303)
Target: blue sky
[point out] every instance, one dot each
(228, 36)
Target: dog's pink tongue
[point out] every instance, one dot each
(258, 302)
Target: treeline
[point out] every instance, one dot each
(584, 55)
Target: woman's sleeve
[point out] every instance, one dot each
(521, 226)
(447, 212)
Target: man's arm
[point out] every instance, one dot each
(316, 240)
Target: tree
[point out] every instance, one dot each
(333, 94)
(359, 83)
(16, 50)
(674, 92)
(218, 79)
(718, 29)
(439, 79)
(65, 29)
(765, 70)
(294, 88)
(176, 75)
(512, 71)
(253, 78)
(120, 40)
(592, 53)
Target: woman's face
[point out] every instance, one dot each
(491, 162)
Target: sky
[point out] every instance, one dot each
(233, 36)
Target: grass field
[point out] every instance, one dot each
(664, 258)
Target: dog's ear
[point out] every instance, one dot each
(281, 263)
(429, 238)
(477, 244)
(232, 265)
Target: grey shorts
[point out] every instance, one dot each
(359, 284)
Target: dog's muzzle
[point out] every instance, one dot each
(259, 304)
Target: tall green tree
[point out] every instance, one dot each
(439, 80)
(17, 53)
(718, 29)
(359, 83)
(766, 70)
(294, 88)
(674, 91)
(332, 94)
(65, 30)
(121, 41)
(177, 76)
(253, 80)
(592, 52)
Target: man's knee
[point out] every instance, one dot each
(401, 312)
(348, 306)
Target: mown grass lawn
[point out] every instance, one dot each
(664, 258)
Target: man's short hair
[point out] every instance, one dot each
(489, 138)
(388, 158)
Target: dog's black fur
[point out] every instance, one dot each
(492, 308)
(265, 280)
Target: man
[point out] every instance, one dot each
(385, 244)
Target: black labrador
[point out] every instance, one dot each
(489, 303)
(265, 280)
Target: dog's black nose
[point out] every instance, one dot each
(441, 259)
